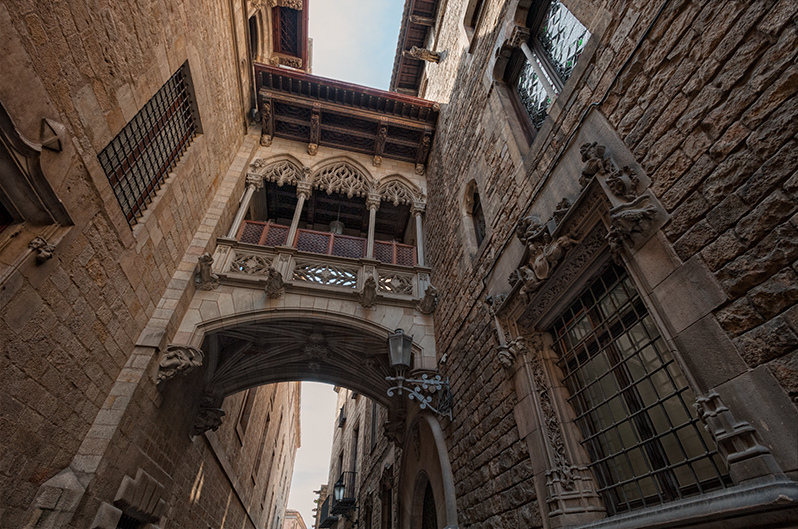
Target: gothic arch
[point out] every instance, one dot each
(399, 190)
(342, 175)
(282, 169)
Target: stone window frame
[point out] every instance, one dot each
(615, 215)
(472, 18)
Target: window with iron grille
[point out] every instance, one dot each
(540, 69)
(632, 401)
(140, 157)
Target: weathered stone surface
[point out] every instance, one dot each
(739, 317)
(775, 294)
(774, 209)
(785, 369)
(727, 213)
(766, 342)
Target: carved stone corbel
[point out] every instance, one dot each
(512, 352)
(209, 417)
(275, 287)
(255, 180)
(368, 295)
(44, 250)
(428, 303)
(205, 279)
(178, 360)
(422, 21)
(738, 442)
(630, 224)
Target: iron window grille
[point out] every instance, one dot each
(140, 157)
(632, 400)
(541, 69)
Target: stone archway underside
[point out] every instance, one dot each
(282, 349)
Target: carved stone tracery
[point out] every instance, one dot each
(341, 178)
(282, 172)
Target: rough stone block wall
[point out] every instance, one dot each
(68, 326)
(707, 103)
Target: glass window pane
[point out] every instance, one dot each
(532, 94)
(563, 38)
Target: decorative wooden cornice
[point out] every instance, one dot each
(418, 19)
(325, 112)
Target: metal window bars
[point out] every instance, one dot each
(632, 401)
(140, 157)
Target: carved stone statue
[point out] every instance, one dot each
(44, 249)
(593, 155)
(275, 287)
(543, 252)
(178, 359)
(205, 278)
(428, 303)
(369, 294)
(422, 54)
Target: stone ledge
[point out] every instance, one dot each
(764, 505)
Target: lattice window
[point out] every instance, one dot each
(313, 241)
(276, 236)
(251, 232)
(396, 283)
(353, 247)
(322, 274)
(341, 178)
(383, 252)
(140, 157)
(288, 30)
(540, 71)
(632, 402)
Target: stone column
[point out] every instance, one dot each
(533, 60)
(303, 193)
(418, 209)
(254, 183)
(373, 203)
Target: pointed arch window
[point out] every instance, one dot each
(477, 218)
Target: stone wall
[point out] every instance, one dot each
(705, 99)
(69, 325)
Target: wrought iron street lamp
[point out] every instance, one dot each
(400, 347)
(338, 490)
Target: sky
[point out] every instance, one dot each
(353, 41)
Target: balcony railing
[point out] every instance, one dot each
(269, 234)
(325, 518)
(348, 499)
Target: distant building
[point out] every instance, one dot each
(293, 520)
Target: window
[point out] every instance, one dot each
(477, 218)
(246, 411)
(539, 70)
(471, 21)
(632, 401)
(256, 466)
(139, 158)
(355, 439)
(374, 424)
(287, 30)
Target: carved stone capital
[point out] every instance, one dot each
(418, 208)
(304, 189)
(428, 303)
(254, 180)
(518, 36)
(178, 360)
(373, 201)
(44, 250)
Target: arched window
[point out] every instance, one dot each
(477, 217)
(539, 69)
(429, 517)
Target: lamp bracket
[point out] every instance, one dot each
(425, 390)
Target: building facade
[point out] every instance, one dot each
(585, 226)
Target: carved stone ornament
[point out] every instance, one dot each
(209, 416)
(250, 264)
(275, 287)
(368, 295)
(623, 183)
(626, 221)
(737, 441)
(422, 21)
(596, 162)
(394, 427)
(561, 210)
(205, 279)
(422, 54)
(315, 349)
(341, 178)
(178, 360)
(519, 35)
(397, 193)
(428, 303)
(265, 140)
(291, 62)
(255, 181)
(511, 352)
(542, 252)
(44, 250)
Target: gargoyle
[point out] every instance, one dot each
(178, 359)
(429, 301)
(275, 287)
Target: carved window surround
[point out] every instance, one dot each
(612, 217)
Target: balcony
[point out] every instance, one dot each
(344, 497)
(325, 518)
(325, 243)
